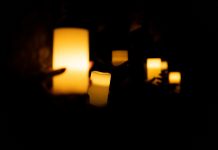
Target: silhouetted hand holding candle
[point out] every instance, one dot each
(162, 79)
(36, 88)
(51, 73)
(70, 99)
(158, 86)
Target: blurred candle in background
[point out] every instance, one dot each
(71, 51)
(164, 65)
(99, 89)
(119, 57)
(175, 78)
(153, 68)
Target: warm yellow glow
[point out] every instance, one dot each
(100, 78)
(174, 77)
(119, 57)
(164, 65)
(153, 68)
(99, 90)
(71, 51)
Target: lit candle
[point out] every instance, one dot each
(119, 57)
(174, 77)
(71, 51)
(153, 68)
(99, 90)
(164, 65)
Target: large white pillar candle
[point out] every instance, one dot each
(71, 51)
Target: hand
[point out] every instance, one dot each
(162, 79)
(70, 102)
(43, 76)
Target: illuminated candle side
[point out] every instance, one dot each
(71, 51)
(174, 77)
(99, 90)
(119, 57)
(164, 65)
(153, 68)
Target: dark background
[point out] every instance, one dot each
(188, 31)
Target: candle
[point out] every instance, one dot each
(164, 65)
(99, 90)
(174, 77)
(71, 51)
(119, 57)
(153, 68)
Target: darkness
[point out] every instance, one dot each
(138, 115)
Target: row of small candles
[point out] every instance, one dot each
(71, 51)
